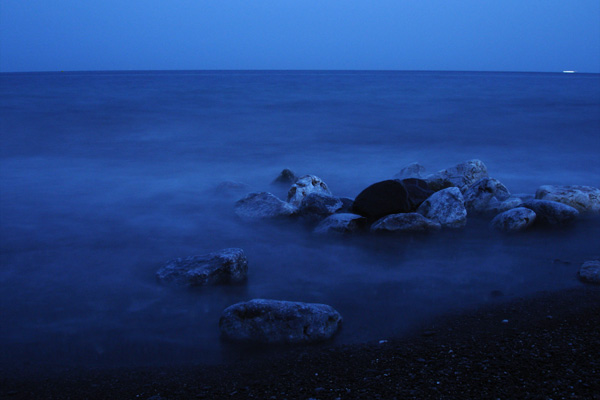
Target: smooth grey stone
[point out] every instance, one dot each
(551, 212)
(445, 207)
(478, 195)
(341, 223)
(461, 176)
(582, 198)
(516, 219)
(263, 205)
(407, 222)
(304, 186)
(412, 170)
(317, 206)
(496, 207)
(590, 272)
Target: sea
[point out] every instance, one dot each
(106, 176)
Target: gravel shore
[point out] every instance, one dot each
(543, 347)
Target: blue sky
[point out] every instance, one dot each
(497, 35)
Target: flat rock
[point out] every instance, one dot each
(341, 223)
(516, 219)
(551, 212)
(445, 207)
(412, 170)
(304, 186)
(275, 321)
(590, 272)
(286, 177)
(478, 195)
(407, 222)
(263, 205)
(225, 266)
(461, 176)
(317, 206)
(582, 198)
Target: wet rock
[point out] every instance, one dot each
(225, 266)
(317, 206)
(263, 205)
(275, 321)
(478, 195)
(286, 177)
(461, 176)
(407, 222)
(381, 199)
(582, 198)
(445, 207)
(551, 212)
(304, 186)
(590, 272)
(418, 191)
(412, 170)
(496, 207)
(516, 219)
(346, 205)
(341, 223)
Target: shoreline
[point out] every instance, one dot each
(542, 346)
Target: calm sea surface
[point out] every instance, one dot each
(106, 176)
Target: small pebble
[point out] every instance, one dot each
(505, 321)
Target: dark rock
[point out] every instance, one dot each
(445, 207)
(317, 206)
(225, 266)
(346, 205)
(341, 223)
(407, 222)
(263, 205)
(516, 219)
(286, 177)
(590, 272)
(381, 199)
(304, 186)
(274, 321)
(551, 212)
(418, 191)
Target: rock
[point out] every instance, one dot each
(479, 194)
(317, 206)
(232, 188)
(304, 186)
(495, 207)
(341, 223)
(263, 205)
(274, 321)
(286, 177)
(461, 176)
(418, 191)
(551, 212)
(582, 198)
(346, 205)
(412, 170)
(225, 266)
(516, 219)
(445, 207)
(590, 272)
(407, 222)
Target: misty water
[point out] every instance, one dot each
(104, 177)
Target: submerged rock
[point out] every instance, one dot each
(286, 177)
(412, 170)
(317, 206)
(461, 176)
(479, 195)
(225, 266)
(516, 219)
(304, 186)
(445, 207)
(274, 321)
(582, 198)
(551, 212)
(263, 205)
(407, 222)
(590, 272)
(341, 223)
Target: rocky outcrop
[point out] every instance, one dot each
(461, 176)
(225, 266)
(445, 207)
(590, 272)
(274, 321)
(412, 170)
(286, 177)
(341, 223)
(316, 207)
(479, 195)
(407, 222)
(514, 220)
(551, 212)
(582, 198)
(304, 186)
(263, 205)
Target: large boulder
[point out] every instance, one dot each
(341, 223)
(551, 212)
(479, 194)
(446, 207)
(513, 220)
(381, 199)
(582, 198)
(263, 205)
(274, 321)
(590, 272)
(317, 206)
(286, 177)
(418, 191)
(407, 222)
(412, 170)
(225, 266)
(461, 176)
(304, 186)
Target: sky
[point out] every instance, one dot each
(473, 35)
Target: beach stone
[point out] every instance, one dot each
(478, 195)
(445, 207)
(225, 266)
(590, 272)
(496, 207)
(276, 321)
(412, 170)
(516, 219)
(346, 205)
(341, 223)
(461, 176)
(286, 177)
(582, 198)
(317, 206)
(304, 186)
(551, 212)
(381, 199)
(263, 205)
(418, 191)
(407, 222)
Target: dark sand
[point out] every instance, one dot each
(548, 349)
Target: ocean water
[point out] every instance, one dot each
(106, 176)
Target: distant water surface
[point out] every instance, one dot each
(106, 176)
